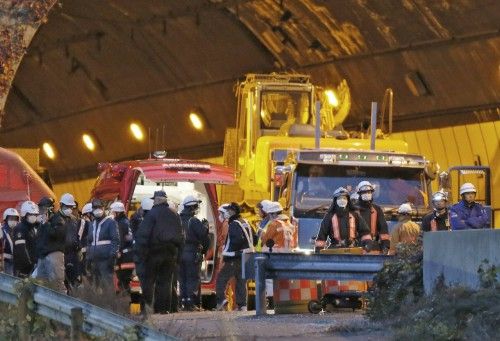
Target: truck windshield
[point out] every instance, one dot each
(315, 184)
(280, 107)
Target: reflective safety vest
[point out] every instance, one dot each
(434, 226)
(373, 225)
(336, 228)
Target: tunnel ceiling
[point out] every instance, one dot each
(98, 65)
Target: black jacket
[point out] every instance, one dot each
(381, 224)
(326, 228)
(240, 237)
(160, 226)
(126, 240)
(56, 234)
(442, 221)
(24, 240)
(195, 232)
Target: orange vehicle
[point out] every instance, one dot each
(131, 181)
(19, 182)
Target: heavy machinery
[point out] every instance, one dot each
(289, 145)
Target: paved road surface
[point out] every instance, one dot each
(208, 325)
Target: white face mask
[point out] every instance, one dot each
(342, 202)
(366, 196)
(31, 219)
(67, 211)
(98, 212)
(12, 223)
(42, 218)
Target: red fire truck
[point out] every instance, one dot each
(131, 181)
(19, 182)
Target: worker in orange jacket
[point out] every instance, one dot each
(279, 232)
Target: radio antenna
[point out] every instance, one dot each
(149, 141)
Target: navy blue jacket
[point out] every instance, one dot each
(464, 216)
(7, 243)
(24, 239)
(103, 240)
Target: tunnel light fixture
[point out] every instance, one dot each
(136, 131)
(196, 120)
(332, 98)
(89, 142)
(49, 150)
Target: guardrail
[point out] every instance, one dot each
(79, 315)
(262, 266)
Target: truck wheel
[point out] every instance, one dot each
(314, 307)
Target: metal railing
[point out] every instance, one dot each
(79, 315)
(262, 266)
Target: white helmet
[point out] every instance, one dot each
(190, 200)
(10, 212)
(340, 192)
(117, 206)
(147, 204)
(68, 200)
(266, 205)
(274, 207)
(365, 186)
(29, 207)
(438, 196)
(405, 209)
(87, 208)
(467, 188)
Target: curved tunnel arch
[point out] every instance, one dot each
(99, 65)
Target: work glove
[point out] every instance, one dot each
(367, 245)
(385, 245)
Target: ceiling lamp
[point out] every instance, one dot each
(49, 150)
(332, 98)
(89, 142)
(196, 120)
(136, 131)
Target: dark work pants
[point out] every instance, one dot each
(102, 273)
(124, 276)
(189, 276)
(158, 277)
(231, 268)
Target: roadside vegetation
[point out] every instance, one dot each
(451, 313)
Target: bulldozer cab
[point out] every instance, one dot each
(273, 105)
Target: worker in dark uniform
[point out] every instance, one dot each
(24, 240)
(157, 242)
(439, 218)
(373, 216)
(83, 232)
(342, 225)
(52, 242)
(195, 246)
(103, 244)
(125, 262)
(469, 214)
(138, 216)
(10, 220)
(65, 220)
(240, 238)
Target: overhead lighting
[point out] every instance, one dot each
(136, 131)
(49, 150)
(332, 98)
(196, 120)
(89, 142)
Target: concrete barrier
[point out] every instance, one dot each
(457, 255)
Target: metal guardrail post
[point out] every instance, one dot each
(260, 285)
(76, 323)
(23, 311)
